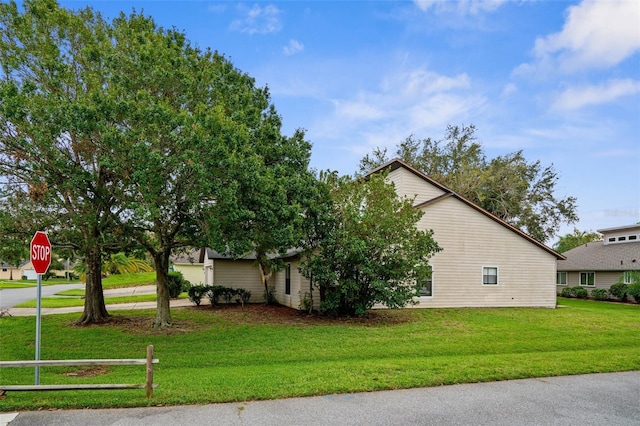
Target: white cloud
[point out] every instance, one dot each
(416, 101)
(293, 47)
(578, 97)
(463, 7)
(258, 20)
(508, 90)
(596, 34)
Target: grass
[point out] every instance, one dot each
(223, 355)
(67, 302)
(112, 281)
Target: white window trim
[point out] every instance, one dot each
(626, 277)
(497, 276)
(580, 279)
(432, 290)
(566, 278)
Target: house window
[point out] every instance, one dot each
(633, 237)
(588, 278)
(622, 238)
(426, 289)
(561, 278)
(612, 239)
(490, 275)
(287, 279)
(627, 277)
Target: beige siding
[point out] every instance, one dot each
(299, 287)
(194, 273)
(409, 185)
(602, 280)
(471, 241)
(239, 274)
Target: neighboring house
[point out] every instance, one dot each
(599, 264)
(484, 261)
(213, 268)
(16, 273)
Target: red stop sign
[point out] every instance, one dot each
(40, 252)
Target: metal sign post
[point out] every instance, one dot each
(40, 259)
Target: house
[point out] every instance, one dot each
(11, 272)
(484, 262)
(599, 264)
(208, 267)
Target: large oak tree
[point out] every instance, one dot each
(520, 192)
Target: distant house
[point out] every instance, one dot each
(485, 262)
(25, 269)
(600, 264)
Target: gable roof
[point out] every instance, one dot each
(597, 256)
(397, 163)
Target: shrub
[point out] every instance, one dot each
(619, 291)
(567, 292)
(214, 293)
(580, 292)
(270, 295)
(197, 292)
(176, 284)
(634, 290)
(243, 296)
(599, 294)
(228, 293)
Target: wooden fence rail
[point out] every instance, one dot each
(148, 385)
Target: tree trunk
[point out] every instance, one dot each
(265, 274)
(163, 313)
(95, 311)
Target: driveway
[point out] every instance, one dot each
(595, 399)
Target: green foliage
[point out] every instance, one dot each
(371, 252)
(390, 350)
(197, 292)
(634, 290)
(567, 292)
(269, 295)
(177, 284)
(600, 294)
(580, 292)
(517, 191)
(214, 293)
(578, 238)
(619, 291)
(243, 296)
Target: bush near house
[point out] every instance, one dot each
(600, 294)
(567, 292)
(580, 292)
(177, 284)
(634, 290)
(619, 291)
(215, 292)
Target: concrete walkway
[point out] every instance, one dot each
(128, 291)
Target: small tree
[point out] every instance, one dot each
(374, 252)
(577, 238)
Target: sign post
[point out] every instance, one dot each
(40, 249)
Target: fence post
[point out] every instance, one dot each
(149, 384)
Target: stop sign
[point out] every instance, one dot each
(40, 252)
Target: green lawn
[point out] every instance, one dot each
(112, 281)
(217, 355)
(66, 302)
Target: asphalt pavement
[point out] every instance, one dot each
(596, 399)
(9, 297)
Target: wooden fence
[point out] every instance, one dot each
(148, 385)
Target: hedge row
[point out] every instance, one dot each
(619, 290)
(216, 292)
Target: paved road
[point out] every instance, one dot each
(596, 399)
(9, 297)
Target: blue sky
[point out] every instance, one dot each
(558, 79)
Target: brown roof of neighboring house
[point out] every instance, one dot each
(397, 163)
(597, 256)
